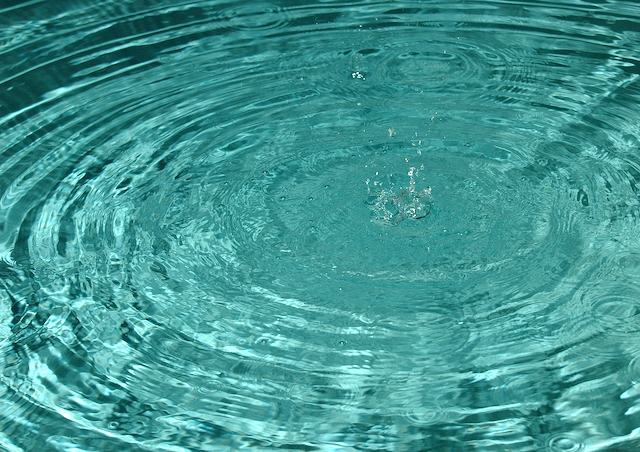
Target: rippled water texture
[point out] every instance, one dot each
(327, 226)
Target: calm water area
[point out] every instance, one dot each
(319, 226)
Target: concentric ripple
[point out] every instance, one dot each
(331, 226)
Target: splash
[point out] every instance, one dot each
(393, 205)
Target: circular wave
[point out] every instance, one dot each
(358, 226)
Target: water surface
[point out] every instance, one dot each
(319, 226)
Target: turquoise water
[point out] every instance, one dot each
(321, 226)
